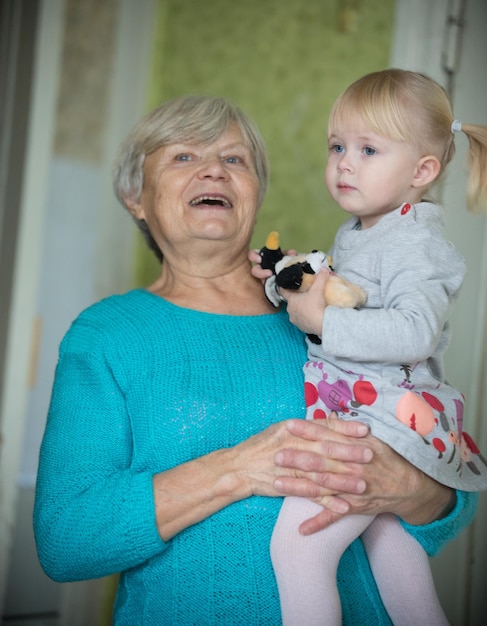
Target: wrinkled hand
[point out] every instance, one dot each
(256, 270)
(392, 485)
(306, 309)
(310, 458)
(396, 486)
(320, 460)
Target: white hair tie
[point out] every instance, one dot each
(456, 126)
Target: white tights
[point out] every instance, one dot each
(306, 568)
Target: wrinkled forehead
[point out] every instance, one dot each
(204, 138)
(228, 134)
(204, 132)
(230, 141)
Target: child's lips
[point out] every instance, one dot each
(344, 187)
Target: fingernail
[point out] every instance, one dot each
(278, 484)
(361, 486)
(340, 506)
(368, 455)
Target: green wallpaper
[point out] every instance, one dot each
(283, 62)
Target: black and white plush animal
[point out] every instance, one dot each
(297, 273)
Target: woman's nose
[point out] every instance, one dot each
(213, 167)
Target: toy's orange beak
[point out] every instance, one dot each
(272, 241)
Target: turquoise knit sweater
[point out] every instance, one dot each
(141, 386)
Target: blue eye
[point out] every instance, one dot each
(369, 151)
(338, 148)
(183, 157)
(233, 159)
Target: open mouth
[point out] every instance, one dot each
(215, 201)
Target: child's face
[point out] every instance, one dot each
(369, 175)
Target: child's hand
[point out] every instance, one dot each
(306, 309)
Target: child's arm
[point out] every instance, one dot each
(418, 282)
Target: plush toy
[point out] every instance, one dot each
(297, 273)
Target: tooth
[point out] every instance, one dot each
(202, 199)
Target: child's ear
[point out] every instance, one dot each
(427, 169)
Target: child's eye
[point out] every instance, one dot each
(338, 148)
(369, 151)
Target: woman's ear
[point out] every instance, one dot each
(135, 208)
(427, 170)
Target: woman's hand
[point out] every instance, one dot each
(396, 486)
(392, 485)
(255, 259)
(256, 269)
(333, 462)
(312, 456)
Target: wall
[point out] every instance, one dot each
(26, 184)
(74, 197)
(75, 247)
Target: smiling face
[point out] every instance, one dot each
(201, 194)
(369, 175)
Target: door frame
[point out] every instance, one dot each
(446, 39)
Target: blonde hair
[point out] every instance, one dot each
(412, 107)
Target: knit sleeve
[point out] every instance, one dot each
(433, 537)
(94, 513)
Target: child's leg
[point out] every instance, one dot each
(306, 567)
(402, 573)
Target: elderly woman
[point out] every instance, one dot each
(169, 438)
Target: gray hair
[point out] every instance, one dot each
(198, 119)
